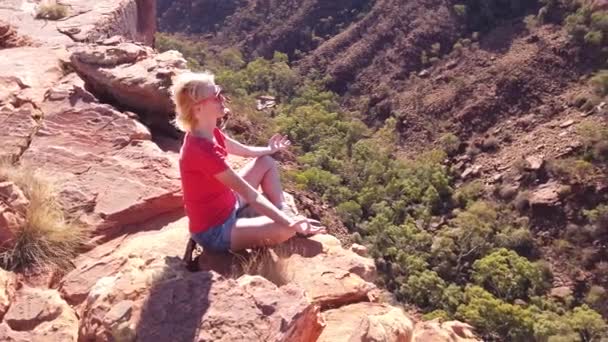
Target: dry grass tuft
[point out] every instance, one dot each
(47, 240)
(51, 10)
(266, 263)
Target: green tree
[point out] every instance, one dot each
(509, 276)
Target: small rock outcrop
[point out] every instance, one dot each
(9, 37)
(131, 76)
(333, 276)
(367, 322)
(435, 331)
(39, 315)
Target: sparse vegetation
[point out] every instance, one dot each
(600, 82)
(480, 266)
(264, 262)
(47, 239)
(571, 169)
(595, 140)
(450, 143)
(51, 10)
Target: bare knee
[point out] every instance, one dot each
(286, 234)
(267, 162)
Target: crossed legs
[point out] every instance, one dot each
(261, 231)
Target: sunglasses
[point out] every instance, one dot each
(219, 96)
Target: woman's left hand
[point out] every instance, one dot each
(278, 142)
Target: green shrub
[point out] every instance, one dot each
(424, 289)
(450, 143)
(468, 193)
(599, 21)
(571, 169)
(509, 276)
(588, 323)
(350, 212)
(441, 315)
(594, 38)
(595, 141)
(597, 298)
(600, 82)
(493, 316)
(598, 217)
(460, 9)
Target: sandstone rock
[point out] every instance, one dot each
(104, 163)
(567, 123)
(132, 76)
(367, 322)
(85, 21)
(42, 315)
(7, 291)
(561, 292)
(163, 241)
(9, 37)
(290, 303)
(472, 171)
(546, 195)
(22, 126)
(358, 249)
(26, 73)
(452, 331)
(330, 274)
(534, 163)
(161, 301)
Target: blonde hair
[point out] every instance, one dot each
(188, 88)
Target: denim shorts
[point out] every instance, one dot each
(218, 237)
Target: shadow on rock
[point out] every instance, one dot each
(175, 306)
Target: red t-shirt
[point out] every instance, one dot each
(208, 202)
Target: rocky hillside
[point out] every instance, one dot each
(91, 222)
(511, 93)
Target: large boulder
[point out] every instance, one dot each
(84, 21)
(109, 259)
(330, 274)
(367, 322)
(160, 301)
(39, 315)
(435, 331)
(132, 76)
(108, 170)
(546, 195)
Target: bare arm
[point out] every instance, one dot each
(236, 148)
(258, 201)
(276, 143)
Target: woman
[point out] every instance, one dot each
(213, 192)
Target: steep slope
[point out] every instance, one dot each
(260, 27)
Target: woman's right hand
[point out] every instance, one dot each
(306, 226)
